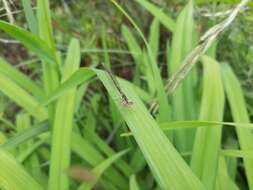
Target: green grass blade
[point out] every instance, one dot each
(99, 170)
(133, 183)
(22, 98)
(25, 135)
(30, 41)
(20, 78)
(140, 58)
(239, 111)
(45, 23)
(183, 100)
(157, 13)
(108, 151)
(28, 152)
(237, 153)
(194, 124)
(78, 77)
(132, 44)
(3, 139)
(224, 181)
(49, 71)
(154, 37)
(208, 140)
(13, 175)
(92, 156)
(30, 17)
(62, 127)
(169, 169)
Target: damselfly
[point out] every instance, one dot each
(124, 98)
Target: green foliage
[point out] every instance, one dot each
(67, 124)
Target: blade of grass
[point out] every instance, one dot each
(108, 151)
(140, 58)
(30, 17)
(50, 72)
(133, 183)
(224, 182)
(19, 179)
(183, 100)
(20, 78)
(168, 167)
(90, 154)
(157, 13)
(3, 138)
(25, 135)
(78, 77)
(154, 37)
(30, 41)
(22, 98)
(238, 153)
(62, 127)
(99, 170)
(195, 124)
(239, 111)
(207, 143)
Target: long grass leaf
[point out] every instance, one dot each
(30, 41)
(239, 111)
(99, 170)
(22, 98)
(207, 143)
(63, 122)
(13, 175)
(78, 77)
(157, 13)
(30, 17)
(92, 156)
(21, 79)
(183, 100)
(169, 169)
(133, 183)
(49, 71)
(25, 135)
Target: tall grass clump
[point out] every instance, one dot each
(68, 122)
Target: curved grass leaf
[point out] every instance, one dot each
(224, 181)
(25, 135)
(207, 143)
(30, 17)
(168, 167)
(133, 183)
(99, 170)
(13, 175)
(183, 99)
(157, 13)
(91, 155)
(20, 78)
(30, 41)
(78, 77)
(29, 150)
(239, 111)
(238, 153)
(22, 98)
(63, 122)
(195, 124)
